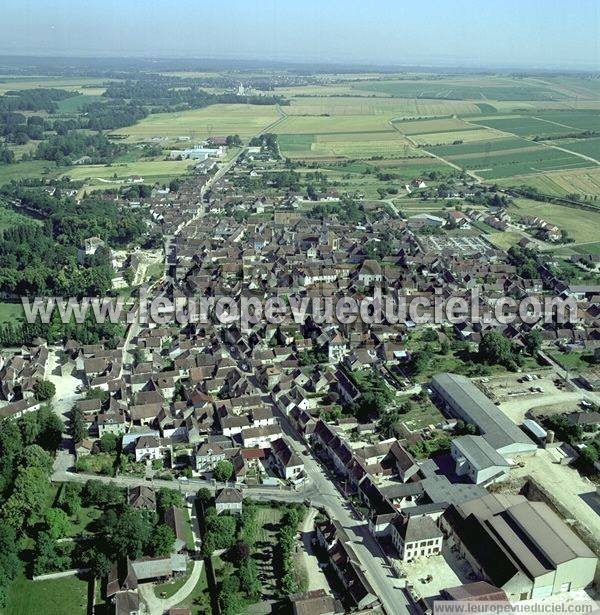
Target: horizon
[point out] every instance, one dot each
(536, 34)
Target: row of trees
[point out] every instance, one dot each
(26, 449)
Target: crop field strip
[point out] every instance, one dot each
(561, 183)
(216, 120)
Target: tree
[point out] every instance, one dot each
(79, 428)
(48, 555)
(219, 532)
(44, 390)
(249, 582)
(533, 342)
(204, 495)
(96, 493)
(10, 564)
(223, 470)
(495, 349)
(161, 541)
(30, 428)
(98, 563)
(108, 443)
(238, 553)
(28, 500)
(419, 361)
(34, 456)
(57, 523)
(70, 498)
(165, 498)
(130, 533)
(51, 429)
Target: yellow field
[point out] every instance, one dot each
(466, 136)
(390, 107)
(504, 241)
(323, 125)
(430, 126)
(216, 120)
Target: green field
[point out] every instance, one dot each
(524, 126)
(581, 224)
(587, 147)
(390, 107)
(526, 161)
(76, 103)
(216, 120)
(479, 147)
(416, 127)
(10, 217)
(10, 82)
(464, 88)
(584, 181)
(11, 312)
(54, 597)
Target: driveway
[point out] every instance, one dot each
(157, 606)
(316, 577)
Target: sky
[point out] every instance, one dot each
(470, 33)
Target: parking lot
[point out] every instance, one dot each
(522, 395)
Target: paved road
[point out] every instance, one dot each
(64, 461)
(372, 559)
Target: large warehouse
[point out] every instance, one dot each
(521, 547)
(462, 399)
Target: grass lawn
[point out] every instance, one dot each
(170, 588)
(574, 361)
(504, 241)
(53, 597)
(421, 415)
(11, 312)
(101, 463)
(9, 217)
(199, 599)
(267, 519)
(81, 521)
(581, 224)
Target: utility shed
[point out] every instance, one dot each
(476, 459)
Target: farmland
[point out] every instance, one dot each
(461, 88)
(245, 120)
(582, 225)
(584, 181)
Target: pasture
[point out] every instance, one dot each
(198, 124)
(76, 103)
(581, 224)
